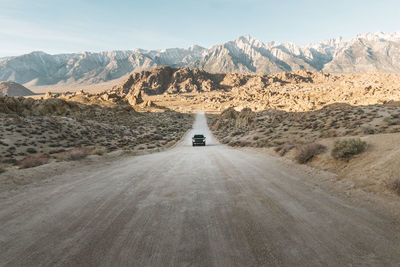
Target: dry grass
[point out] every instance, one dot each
(33, 161)
(394, 185)
(77, 153)
(348, 147)
(99, 151)
(283, 149)
(305, 153)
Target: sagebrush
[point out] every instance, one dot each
(305, 153)
(394, 185)
(348, 147)
(77, 153)
(33, 161)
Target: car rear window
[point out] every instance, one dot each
(198, 136)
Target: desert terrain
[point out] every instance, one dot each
(200, 206)
(52, 129)
(309, 138)
(299, 168)
(280, 113)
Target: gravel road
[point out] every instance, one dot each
(191, 206)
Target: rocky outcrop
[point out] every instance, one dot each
(29, 106)
(290, 91)
(169, 80)
(165, 79)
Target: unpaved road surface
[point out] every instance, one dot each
(191, 206)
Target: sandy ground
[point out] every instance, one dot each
(62, 88)
(192, 206)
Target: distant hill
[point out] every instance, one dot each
(14, 89)
(377, 52)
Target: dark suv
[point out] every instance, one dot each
(199, 140)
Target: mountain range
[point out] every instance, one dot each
(364, 53)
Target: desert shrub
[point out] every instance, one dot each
(391, 121)
(245, 143)
(226, 140)
(31, 150)
(2, 170)
(368, 130)
(327, 133)
(33, 161)
(99, 151)
(234, 143)
(283, 149)
(306, 152)
(75, 153)
(348, 147)
(394, 185)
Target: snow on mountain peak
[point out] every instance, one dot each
(380, 36)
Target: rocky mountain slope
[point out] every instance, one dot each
(367, 52)
(14, 89)
(39, 68)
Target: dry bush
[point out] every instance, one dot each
(283, 149)
(99, 151)
(368, 130)
(33, 161)
(348, 147)
(394, 185)
(244, 143)
(77, 153)
(306, 152)
(2, 170)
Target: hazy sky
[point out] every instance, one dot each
(56, 26)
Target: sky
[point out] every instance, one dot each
(55, 26)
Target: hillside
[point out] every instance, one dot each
(379, 52)
(14, 89)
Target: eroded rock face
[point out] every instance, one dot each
(169, 80)
(184, 80)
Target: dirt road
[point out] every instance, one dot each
(201, 206)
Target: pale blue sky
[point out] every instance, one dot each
(56, 26)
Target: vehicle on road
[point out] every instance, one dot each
(199, 140)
